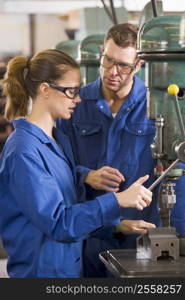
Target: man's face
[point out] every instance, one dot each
(116, 77)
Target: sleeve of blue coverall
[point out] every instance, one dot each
(103, 233)
(81, 173)
(40, 199)
(178, 211)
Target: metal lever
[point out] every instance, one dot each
(153, 185)
(173, 89)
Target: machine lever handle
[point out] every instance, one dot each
(153, 185)
(173, 89)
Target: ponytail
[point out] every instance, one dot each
(15, 90)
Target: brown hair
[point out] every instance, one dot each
(124, 35)
(24, 76)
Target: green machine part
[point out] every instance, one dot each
(70, 47)
(89, 56)
(141, 73)
(147, 15)
(87, 53)
(161, 43)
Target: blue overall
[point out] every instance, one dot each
(41, 224)
(122, 142)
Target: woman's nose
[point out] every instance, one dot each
(77, 99)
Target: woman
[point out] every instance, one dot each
(41, 222)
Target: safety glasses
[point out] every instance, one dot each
(70, 92)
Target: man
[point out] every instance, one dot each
(111, 138)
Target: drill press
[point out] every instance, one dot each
(160, 252)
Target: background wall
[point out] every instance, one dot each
(15, 32)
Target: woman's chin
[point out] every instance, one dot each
(66, 116)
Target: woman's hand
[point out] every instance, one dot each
(136, 196)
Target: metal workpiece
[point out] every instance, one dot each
(159, 243)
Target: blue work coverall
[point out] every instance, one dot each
(122, 142)
(41, 224)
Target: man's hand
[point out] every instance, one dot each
(134, 226)
(105, 178)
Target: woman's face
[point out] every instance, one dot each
(60, 105)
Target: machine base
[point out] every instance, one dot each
(124, 263)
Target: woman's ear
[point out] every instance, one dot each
(44, 89)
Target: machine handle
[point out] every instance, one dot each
(173, 89)
(153, 185)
